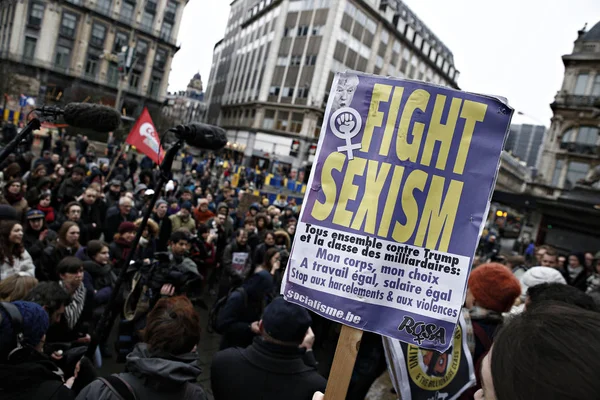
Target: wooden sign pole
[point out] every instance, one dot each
(343, 363)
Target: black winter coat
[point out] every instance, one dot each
(580, 281)
(164, 232)
(93, 214)
(32, 380)
(242, 308)
(70, 190)
(51, 256)
(269, 371)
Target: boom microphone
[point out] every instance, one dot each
(204, 136)
(87, 116)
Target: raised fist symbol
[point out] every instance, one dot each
(346, 123)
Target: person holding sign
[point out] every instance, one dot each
(236, 262)
(279, 363)
(400, 188)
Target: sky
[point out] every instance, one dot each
(511, 48)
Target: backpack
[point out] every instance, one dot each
(213, 315)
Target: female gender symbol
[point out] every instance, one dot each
(346, 123)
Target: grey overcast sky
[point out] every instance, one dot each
(511, 48)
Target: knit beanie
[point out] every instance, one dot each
(161, 201)
(35, 325)
(494, 287)
(7, 212)
(538, 275)
(127, 227)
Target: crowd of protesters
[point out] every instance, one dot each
(66, 233)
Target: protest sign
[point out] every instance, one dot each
(238, 262)
(421, 374)
(395, 204)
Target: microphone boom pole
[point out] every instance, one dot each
(106, 320)
(33, 125)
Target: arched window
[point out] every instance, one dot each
(569, 135)
(582, 139)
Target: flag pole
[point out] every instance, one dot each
(114, 163)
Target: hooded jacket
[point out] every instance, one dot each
(154, 377)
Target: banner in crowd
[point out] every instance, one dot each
(396, 201)
(144, 137)
(421, 374)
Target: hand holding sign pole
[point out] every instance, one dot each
(397, 197)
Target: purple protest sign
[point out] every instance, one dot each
(396, 201)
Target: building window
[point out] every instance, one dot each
(62, 57)
(29, 49)
(269, 119)
(104, 6)
(596, 87)
(288, 32)
(154, 86)
(274, 91)
(36, 14)
(296, 124)
(141, 51)
(112, 75)
(581, 84)
(557, 171)
(68, 25)
(575, 172)
(161, 59)
(91, 66)
(98, 35)
(121, 40)
(588, 135)
(282, 61)
(287, 92)
(303, 30)
(302, 93)
(385, 36)
(170, 11)
(147, 21)
(134, 80)
(165, 31)
(127, 10)
(296, 60)
(317, 30)
(311, 60)
(282, 121)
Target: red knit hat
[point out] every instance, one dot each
(494, 287)
(127, 227)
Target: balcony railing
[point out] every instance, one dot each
(581, 148)
(571, 100)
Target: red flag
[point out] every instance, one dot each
(144, 137)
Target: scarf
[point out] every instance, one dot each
(574, 272)
(75, 308)
(13, 198)
(48, 211)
